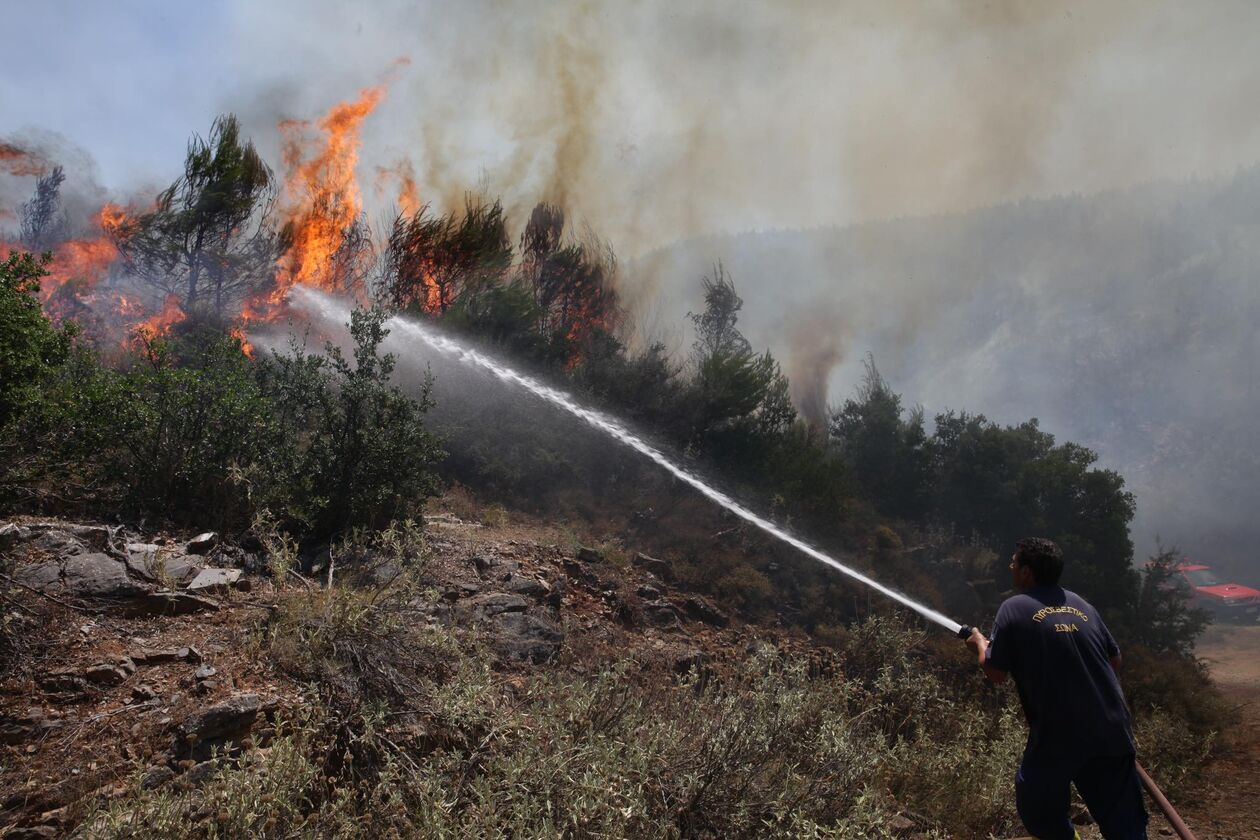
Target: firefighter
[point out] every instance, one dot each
(1064, 663)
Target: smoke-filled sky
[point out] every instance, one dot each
(661, 120)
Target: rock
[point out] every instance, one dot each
(98, 576)
(205, 672)
(529, 587)
(525, 638)
(169, 602)
(202, 773)
(191, 655)
(657, 567)
(103, 673)
(494, 566)
(143, 693)
(202, 543)
(17, 729)
(496, 603)
(460, 590)
(12, 534)
(900, 823)
(649, 593)
(161, 563)
(40, 576)
(662, 615)
(154, 657)
(700, 609)
(62, 682)
(232, 717)
(214, 580)
(155, 777)
(590, 555)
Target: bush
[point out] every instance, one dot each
(359, 454)
(30, 346)
(179, 428)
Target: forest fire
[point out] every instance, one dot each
(78, 265)
(321, 209)
(323, 195)
(160, 324)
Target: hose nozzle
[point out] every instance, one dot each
(965, 632)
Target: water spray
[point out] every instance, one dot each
(332, 308)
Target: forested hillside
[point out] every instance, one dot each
(1123, 321)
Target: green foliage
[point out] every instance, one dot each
(1005, 483)
(739, 399)
(195, 431)
(178, 432)
(885, 452)
(359, 452)
(30, 346)
(1164, 620)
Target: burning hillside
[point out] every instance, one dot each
(218, 242)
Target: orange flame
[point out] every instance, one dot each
(408, 193)
(20, 162)
(239, 335)
(161, 323)
(323, 193)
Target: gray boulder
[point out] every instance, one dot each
(231, 718)
(657, 567)
(520, 637)
(98, 576)
(202, 543)
(214, 580)
(662, 615)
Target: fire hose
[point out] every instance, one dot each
(1152, 789)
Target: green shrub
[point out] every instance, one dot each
(360, 455)
(30, 346)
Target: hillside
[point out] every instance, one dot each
(489, 676)
(1123, 321)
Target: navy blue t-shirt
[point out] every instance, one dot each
(1056, 647)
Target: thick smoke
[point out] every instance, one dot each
(660, 123)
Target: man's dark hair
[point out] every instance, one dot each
(1043, 557)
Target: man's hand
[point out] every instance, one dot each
(978, 644)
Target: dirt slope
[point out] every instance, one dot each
(1229, 807)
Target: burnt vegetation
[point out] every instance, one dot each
(190, 430)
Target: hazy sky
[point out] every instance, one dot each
(655, 120)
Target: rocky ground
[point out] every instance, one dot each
(137, 656)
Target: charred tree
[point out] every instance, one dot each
(43, 222)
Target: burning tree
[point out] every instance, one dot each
(574, 283)
(430, 261)
(208, 240)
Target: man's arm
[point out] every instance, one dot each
(980, 646)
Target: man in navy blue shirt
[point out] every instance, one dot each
(1064, 662)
